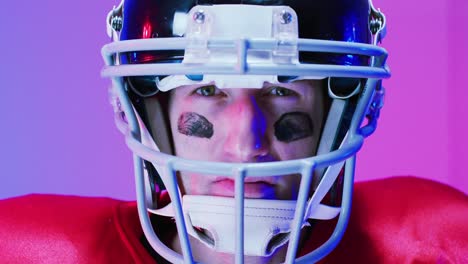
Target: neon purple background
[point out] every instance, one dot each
(57, 133)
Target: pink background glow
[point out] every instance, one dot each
(57, 133)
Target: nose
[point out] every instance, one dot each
(246, 139)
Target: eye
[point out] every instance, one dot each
(281, 91)
(209, 90)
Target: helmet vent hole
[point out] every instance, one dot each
(205, 235)
(276, 241)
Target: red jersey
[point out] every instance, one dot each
(395, 220)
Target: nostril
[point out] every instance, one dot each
(265, 158)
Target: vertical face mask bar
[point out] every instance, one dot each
(354, 135)
(343, 218)
(363, 105)
(173, 190)
(127, 106)
(239, 196)
(306, 183)
(134, 131)
(145, 220)
(241, 48)
(341, 225)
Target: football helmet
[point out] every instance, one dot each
(159, 45)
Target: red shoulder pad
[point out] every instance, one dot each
(405, 220)
(64, 229)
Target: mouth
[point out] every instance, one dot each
(259, 188)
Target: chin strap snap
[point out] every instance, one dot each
(267, 223)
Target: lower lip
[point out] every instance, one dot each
(257, 190)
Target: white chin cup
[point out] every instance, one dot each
(267, 223)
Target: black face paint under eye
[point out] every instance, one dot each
(193, 124)
(293, 126)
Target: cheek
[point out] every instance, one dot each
(295, 150)
(188, 182)
(288, 187)
(194, 184)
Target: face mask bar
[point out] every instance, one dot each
(110, 53)
(239, 171)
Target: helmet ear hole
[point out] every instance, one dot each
(144, 86)
(343, 88)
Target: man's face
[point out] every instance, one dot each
(274, 123)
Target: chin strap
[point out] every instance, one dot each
(267, 223)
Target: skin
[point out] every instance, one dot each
(245, 124)
(273, 123)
